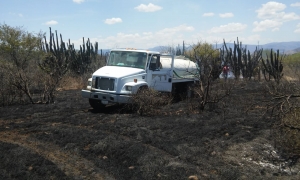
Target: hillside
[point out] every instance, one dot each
(293, 51)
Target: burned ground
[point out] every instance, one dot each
(69, 140)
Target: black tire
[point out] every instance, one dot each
(96, 104)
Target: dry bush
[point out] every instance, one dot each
(210, 95)
(147, 101)
(20, 86)
(285, 106)
(8, 94)
(72, 82)
(284, 97)
(18, 50)
(288, 133)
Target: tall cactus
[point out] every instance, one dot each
(241, 60)
(234, 58)
(83, 58)
(250, 62)
(273, 67)
(57, 56)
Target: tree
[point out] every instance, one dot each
(207, 58)
(209, 62)
(19, 49)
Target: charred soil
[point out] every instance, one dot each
(69, 140)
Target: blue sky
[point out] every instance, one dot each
(146, 24)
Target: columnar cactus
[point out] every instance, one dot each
(57, 56)
(273, 66)
(241, 60)
(83, 58)
(250, 62)
(234, 58)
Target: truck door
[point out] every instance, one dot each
(159, 78)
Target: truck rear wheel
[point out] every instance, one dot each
(96, 104)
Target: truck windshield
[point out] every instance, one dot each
(127, 59)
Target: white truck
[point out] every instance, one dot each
(128, 70)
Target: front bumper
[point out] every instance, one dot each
(105, 98)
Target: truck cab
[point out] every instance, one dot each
(126, 71)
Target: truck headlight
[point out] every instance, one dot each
(128, 88)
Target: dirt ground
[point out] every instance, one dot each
(69, 140)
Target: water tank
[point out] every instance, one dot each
(183, 67)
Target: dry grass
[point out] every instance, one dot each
(291, 72)
(71, 82)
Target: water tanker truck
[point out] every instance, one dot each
(129, 70)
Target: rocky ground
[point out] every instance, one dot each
(69, 140)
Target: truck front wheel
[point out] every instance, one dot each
(96, 104)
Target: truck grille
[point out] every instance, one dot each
(107, 84)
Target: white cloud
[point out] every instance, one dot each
(273, 16)
(78, 1)
(270, 10)
(229, 28)
(266, 24)
(208, 14)
(226, 15)
(274, 10)
(147, 33)
(290, 17)
(178, 29)
(52, 22)
(148, 8)
(298, 28)
(275, 29)
(253, 39)
(113, 20)
(146, 39)
(297, 4)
